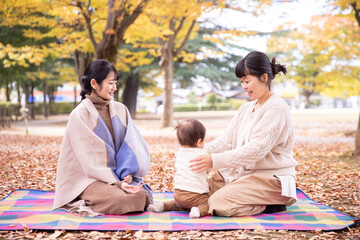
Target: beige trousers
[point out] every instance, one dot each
(185, 200)
(111, 200)
(248, 195)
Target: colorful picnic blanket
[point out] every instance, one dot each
(32, 209)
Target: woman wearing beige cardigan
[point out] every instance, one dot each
(253, 159)
(103, 157)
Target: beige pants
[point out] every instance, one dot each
(248, 195)
(185, 200)
(111, 200)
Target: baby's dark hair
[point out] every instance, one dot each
(189, 132)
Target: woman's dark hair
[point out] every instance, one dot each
(189, 132)
(97, 70)
(257, 63)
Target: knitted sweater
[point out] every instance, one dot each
(102, 106)
(260, 140)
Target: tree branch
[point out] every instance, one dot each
(128, 19)
(87, 16)
(186, 39)
(121, 10)
(357, 12)
(177, 30)
(111, 16)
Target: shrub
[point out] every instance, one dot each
(61, 108)
(190, 107)
(54, 108)
(10, 109)
(236, 103)
(8, 112)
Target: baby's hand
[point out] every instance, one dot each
(128, 179)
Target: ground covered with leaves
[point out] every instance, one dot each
(327, 172)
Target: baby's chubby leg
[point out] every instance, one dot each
(156, 207)
(164, 206)
(199, 211)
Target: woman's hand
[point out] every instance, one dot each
(130, 188)
(128, 179)
(201, 163)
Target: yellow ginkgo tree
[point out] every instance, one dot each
(332, 47)
(165, 28)
(27, 42)
(349, 48)
(105, 22)
(136, 68)
(155, 37)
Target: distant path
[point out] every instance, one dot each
(311, 125)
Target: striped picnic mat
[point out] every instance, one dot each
(32, 209)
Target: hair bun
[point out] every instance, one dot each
(276, 68)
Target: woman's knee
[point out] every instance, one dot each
(219, 205)
(137, 200)
(125, 203)
(216, 200)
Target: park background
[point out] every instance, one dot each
(176, 60)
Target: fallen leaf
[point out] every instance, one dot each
(56, 234)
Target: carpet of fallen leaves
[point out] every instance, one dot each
(327, 171)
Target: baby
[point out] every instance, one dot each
(191, 188)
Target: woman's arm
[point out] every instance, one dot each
(266, 134)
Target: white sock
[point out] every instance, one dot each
(156, 207)
(194, 212)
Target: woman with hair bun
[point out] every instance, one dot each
(103, 157)
(252, 161)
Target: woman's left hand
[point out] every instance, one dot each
(201, 163)
(130, 188)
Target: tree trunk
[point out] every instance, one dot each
(45, 110)
(32, 101)
(130, 92)
(82, 60)
(168, 75)
(116, 95)
(307, 100)
(357, 139)
(26, 91)
(18, 91)
(50, 92)
(117, 22)
(357, 12)
(7, 90)
(75, 95)
(107, 51)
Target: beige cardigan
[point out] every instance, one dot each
(263, 143)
